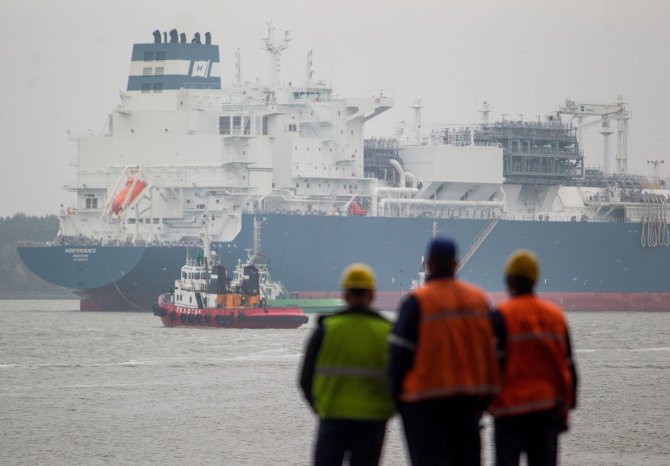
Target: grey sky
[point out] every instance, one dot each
(66, 61)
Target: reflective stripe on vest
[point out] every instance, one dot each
(351, 371)
(350, 380)
(455, 352)
(400, 341)
(536, 376)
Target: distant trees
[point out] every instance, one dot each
(15, 279)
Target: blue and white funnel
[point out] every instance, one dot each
(171, 63)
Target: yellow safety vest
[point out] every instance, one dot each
(351, 380)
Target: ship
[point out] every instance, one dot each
(205, 296)
(180, 147)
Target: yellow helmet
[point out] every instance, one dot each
(523, 263)
(358, 276)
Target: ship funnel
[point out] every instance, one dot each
(194, 65)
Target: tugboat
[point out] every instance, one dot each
(273, 292)
(204, 296)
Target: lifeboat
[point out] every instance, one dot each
(128, 194)
(356, 209)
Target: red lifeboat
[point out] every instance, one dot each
(126, 193)
(356, 209)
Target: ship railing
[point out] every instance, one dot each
(201, 86)
(459, 143)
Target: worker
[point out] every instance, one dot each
(538, 375)
(443, 366)
(344, 376)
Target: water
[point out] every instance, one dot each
(118, 388)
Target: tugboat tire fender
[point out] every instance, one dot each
(173, 316)
(227, 319)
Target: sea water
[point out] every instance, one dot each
(119, 388)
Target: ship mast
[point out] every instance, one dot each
(274, 48)
(310, 70)
(238, 68)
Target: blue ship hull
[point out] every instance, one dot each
(585, 265)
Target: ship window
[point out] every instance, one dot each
(157, 220)
(237, 124)
(308, 185)
(265, 126)
(224, 125)
(146, 87)
(292, 127)
(190, 299)
(148, 56)
(160, 70)
(91, 203)
(131, 220)
(146, 71)
(247, 126)
(297, 185)
(158, 87)
(160, 56)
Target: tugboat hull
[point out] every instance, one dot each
(240, 317)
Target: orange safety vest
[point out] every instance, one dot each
(537, 375)
(455, 353)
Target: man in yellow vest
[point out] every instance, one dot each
(344, 376)
(443, 364)
(539, 379)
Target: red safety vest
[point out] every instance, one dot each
(537, 375)
(455, 353)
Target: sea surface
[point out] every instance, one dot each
(81, 388)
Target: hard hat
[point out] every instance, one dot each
(358, 276)
(523, 263)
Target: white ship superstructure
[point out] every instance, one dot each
(198, 149)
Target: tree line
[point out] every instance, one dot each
(17, 281)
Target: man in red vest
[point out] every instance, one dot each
(443, 366)
(539, 380)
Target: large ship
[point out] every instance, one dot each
(179, 148)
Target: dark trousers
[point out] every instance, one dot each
(444, 431)
(533, 433)
(363, 441)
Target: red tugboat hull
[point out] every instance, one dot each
(242, 317)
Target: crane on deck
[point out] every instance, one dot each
(605, 113)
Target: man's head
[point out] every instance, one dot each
(358, 285)
(521, 272)
(442, 257)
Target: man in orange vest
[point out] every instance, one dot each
(443, 366)
(539, 379)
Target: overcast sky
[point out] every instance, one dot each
(66, 61)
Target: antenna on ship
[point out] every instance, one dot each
(238, 68)
(310, 69)
(274, 48)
